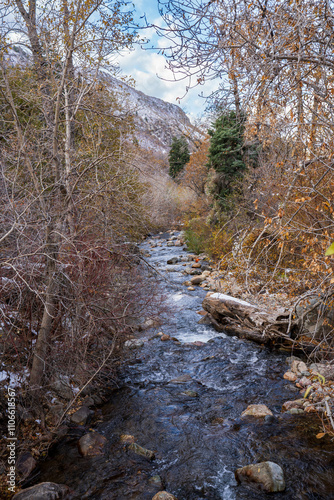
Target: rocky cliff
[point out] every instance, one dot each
(156, 121)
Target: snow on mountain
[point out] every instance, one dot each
(156, 121)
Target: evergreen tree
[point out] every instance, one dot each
(226, 153)
(178, 156)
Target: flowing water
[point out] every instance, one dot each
(184, 402)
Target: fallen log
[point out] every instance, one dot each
(236, 317)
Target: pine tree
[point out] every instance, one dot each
(226, 152)
(178, 156)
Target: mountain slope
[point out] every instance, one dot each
(156, 121)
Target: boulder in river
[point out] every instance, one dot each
(164, 495)
(193, 272)
(44, 491)
(91, 444)
(173, 260)
(197, 280)
(267, 476)
(259, 411)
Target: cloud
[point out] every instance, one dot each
(153, 77)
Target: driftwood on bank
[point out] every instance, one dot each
(237, 317)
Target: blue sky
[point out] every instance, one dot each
(150, 72)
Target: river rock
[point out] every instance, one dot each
(258, 411)
(296, 411)
(139, 450)
(191, 288)
(81, 416)
(196, 265)
(170, 243)
(191, 394)
(134, 343)
(193, 272)
(164, 495)
(173, 260)
(178, 243)
(91, 444)
(305, 382)
(326, 370)
(149, 323)
(182, 379)
(292, 377)
(127, 438)
(164, 337)
(25, 464)
(197, 280)
(298, 367)
(205, 267)
(297, 403)
(62, 387)
(267, 476)
(44, 491)
(156, 481)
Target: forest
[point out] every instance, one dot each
(251, 186)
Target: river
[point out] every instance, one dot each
(184, 402)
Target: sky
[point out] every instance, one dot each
(150, 72)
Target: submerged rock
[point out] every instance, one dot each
(257, 411)
(191, 394)
(139, 450)
(182, 379)
(164, 495)
(91, 444)
(44, 491)
(156, 481)
(127, 439)
(267, 476)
